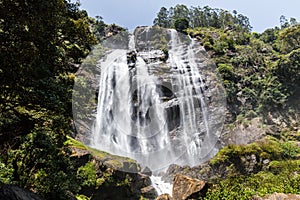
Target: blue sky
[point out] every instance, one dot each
(263, 14)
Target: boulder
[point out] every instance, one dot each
(12, 192)
(139, 181)
(149, 192)
(164, 197)
(185, 187)
(147, 171)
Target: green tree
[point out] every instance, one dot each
(180, 12)
(181, 24)
(289, 39)
(288, 70)
(283, 21)
(162, 18)
(98, 27)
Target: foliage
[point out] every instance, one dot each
(40, 163)
(40, 51)
(289, 39)
(6, 173)
(290, 150)
(82, 197)
(262, 183)
(201, 17)
(87, 174)
(181, 24)
(162, 19)
(280, 173)
(252, 79)
(98, 27)
(288, 70)
(70, 142)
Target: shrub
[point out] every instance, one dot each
(181, 24)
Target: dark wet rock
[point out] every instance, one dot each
(147, 171)
(149, 192)
(80, 156)
(12, 192)
(131, 59)
(140, 181)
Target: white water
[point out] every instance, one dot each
(160, 186)
(113, 123)
(194, 129)
(131, 120)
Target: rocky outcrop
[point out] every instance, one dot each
(201, 172)
(278, 196)
(12, 192)
(149, 192)
(164, 197)
(185, 187)
(121, 177)
(81, 156)
(222, 166)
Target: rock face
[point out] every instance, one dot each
(245, 134)
(185, 187)
(12, 192)
(278, 196)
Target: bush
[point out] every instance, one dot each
(87, 175)
(181, 24)
(6, 173)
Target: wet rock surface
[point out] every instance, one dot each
(12, 192)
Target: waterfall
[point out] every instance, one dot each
(190, 87)
(131, 117)
(158, 101)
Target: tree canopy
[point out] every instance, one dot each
(201, 17)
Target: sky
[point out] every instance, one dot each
(263, 14)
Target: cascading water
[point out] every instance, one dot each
(156, 120)
(190, 87)
(114, 106)
(130, 117)
(161, 186)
